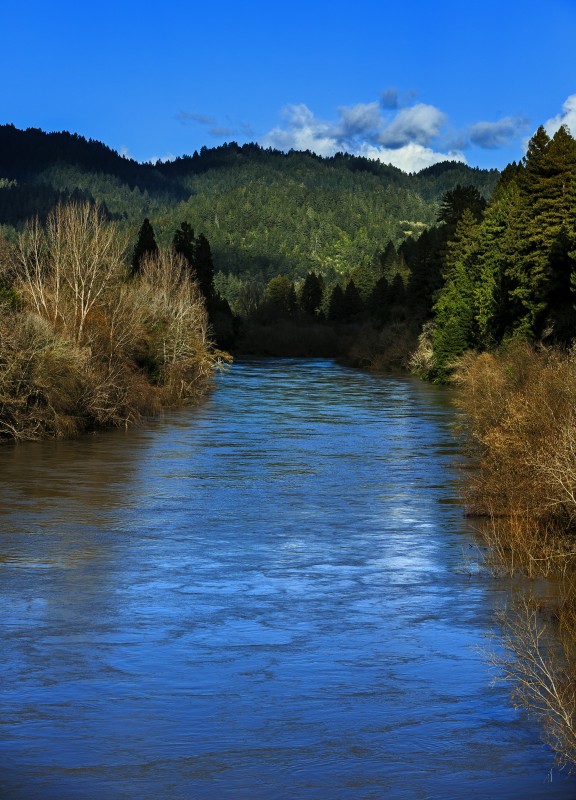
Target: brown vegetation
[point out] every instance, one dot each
(520, 415)
(83, 346)
(520, 409)
(539, 662)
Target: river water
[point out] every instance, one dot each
(271, 596)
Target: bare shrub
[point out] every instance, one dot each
(41, 379)
(66, 267)
(86, 347)
(519, 411)
(179, 340)
(422, 361)
(538, 661)
(519, 544)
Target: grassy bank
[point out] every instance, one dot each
(85, 345)
(519, 410)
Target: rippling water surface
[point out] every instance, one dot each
(267, 597)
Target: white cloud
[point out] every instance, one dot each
(419, 123)
(163, 159)
(359, 119)
(302, 131)
(412, 157)
(403, 138)
(567, 117)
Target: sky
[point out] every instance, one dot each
(410, 83)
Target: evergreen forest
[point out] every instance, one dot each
(295, 253)
(300, 254)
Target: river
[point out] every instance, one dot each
(272, 596)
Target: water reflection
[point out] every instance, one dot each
(260, 598)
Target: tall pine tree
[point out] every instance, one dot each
(145, 246)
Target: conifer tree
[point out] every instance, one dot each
(311, 294)
(204, 267)
(541, 267)
(378, 305)
(336, 306)
(145, 246)
(424, 259)
(456, 201)
(454, 309)
(493, 311)
(352, 301)
(389, 261)
(184, 242)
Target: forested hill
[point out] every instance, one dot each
(264, 212)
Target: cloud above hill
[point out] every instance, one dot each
(394, 129)
(381, 130)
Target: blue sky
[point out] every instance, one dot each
(410, 83)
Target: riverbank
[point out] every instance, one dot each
(385, 348)
(84, 344)
(518, 407)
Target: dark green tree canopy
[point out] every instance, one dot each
(204, 267)
(311, 293)
(281, 295)
(184, 242)
(456, 201)
(145, 246)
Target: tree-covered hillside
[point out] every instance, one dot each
(264, 212)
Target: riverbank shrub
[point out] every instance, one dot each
(519, 410)
(86, 346)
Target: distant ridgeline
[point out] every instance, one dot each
(264, 212)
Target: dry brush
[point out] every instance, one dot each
(85, 346)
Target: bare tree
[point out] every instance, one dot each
(180, 321)
(538, 662)
(66, 267)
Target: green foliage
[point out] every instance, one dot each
(336, 306)
(284, 234)
(310, 294)
(353, 305)
(264, 212)
(204, 267)
(9, 297)
(454, 309)
(281, 295)
(458, 200)
(184, 242)
(510, 272)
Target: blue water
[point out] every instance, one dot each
(272, 596)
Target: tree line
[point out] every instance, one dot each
(507, 268)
